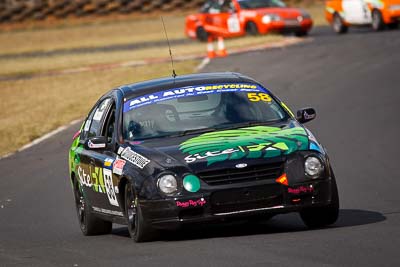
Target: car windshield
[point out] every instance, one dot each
(202, 108)
(251, 4)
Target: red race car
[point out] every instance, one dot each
(232, 18)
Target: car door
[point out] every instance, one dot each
(104, 162)
(95, 169)
(356, 11)
(220, 19)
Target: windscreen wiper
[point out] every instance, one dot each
(196, 131)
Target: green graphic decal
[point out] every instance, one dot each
(251, 142)
(75, 150)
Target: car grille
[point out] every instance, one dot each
(291, 22)
(249, 174)
(247, 198)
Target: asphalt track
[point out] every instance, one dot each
(353, 81)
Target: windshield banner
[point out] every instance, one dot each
(191, 91)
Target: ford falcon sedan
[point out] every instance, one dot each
(159, 154)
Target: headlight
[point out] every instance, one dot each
(167, 184)
(313, 166)
(269, 18)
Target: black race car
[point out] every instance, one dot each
(158, 154)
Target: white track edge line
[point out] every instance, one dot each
(42, 138)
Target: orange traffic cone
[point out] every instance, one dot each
(210, 48)
(221, 48)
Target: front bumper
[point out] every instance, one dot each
(240, 202)
(287, 26)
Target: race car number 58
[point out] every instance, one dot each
(254, 97)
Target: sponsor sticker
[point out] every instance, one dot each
(250, 142)
(118, 166)
(112, 198)
(300, 189)
(84, 178)
(108, 162)
(191, 203)
(191, 91)
(135, 158)
(93, 145)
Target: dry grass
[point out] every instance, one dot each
(41, 64)
(107, 32)
(31, 108)
(317, 12)
(90, 35)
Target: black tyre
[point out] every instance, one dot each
(88, 222)
(301, 33)
(251, 28)
(201, 34)
(393, 26)
(137, 227)
(377, 21)
(323, 216)
(338, 25)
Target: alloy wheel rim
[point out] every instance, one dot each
(131, 211)
(337, 24)
(375, 20)
(80, 206)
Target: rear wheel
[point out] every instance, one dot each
(377, 21)
(338, 24)
(88, 222)
(201, 34)
(137, 227)
(251, 28)
(322, 216)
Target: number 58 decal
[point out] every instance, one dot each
(256, 97)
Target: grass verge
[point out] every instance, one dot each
(90, 35)
(31, 108)
(105, 31)
(10, 67)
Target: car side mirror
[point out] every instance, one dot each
(98, 142)
(306, 114)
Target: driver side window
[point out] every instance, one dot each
(211, 7)
(109, 124)
(98, 116)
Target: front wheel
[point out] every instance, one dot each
(201, 34)
(338, 25)
(251, 29)
(137, 227)
(88, 222)
(377, 21)
(323, 216)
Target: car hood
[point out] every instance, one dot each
(283, 12)
(223, 148)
